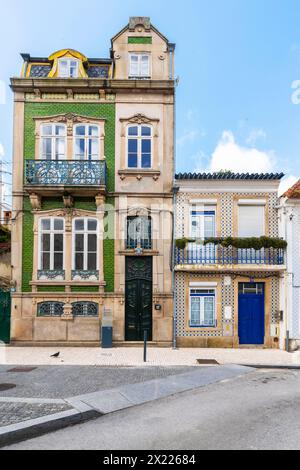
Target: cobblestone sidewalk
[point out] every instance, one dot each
(134, 356)
(12, 413)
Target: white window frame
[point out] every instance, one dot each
(139, 139)
(139, 74)
(52, 232)
(53, 138)
(211, 294)
(87, 139)
(68, 60)
(85, 234)
(204, 209)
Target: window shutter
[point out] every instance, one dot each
(251, 221)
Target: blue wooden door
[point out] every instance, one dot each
(252, 317)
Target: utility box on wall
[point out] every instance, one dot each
(107, 328)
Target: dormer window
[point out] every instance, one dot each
(68, 68)
(139, 66)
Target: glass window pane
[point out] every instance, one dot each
(60, 148)
(209, 311)
(93, 149)
(146, 131)
(133, 130)
(146, 146)
(79, 224)
(58, 261)
(47, 130)
(47, 148)
(79, 148)
(93, 131)
(146, 161)
(92, 242)
(79, 261)
(132, 145)
(80, 130)
(60, 130)
(92, 262)
(46, 261)
(79, 242)
(58, 242)
(145, 66)
(46, 242)
(92, 225)
(58, 224)
(46, 224)
(132, 160)
(134, 65)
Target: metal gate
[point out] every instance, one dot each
(5, 304)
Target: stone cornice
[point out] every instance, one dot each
(79, 85)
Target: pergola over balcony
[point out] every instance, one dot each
(77, 177)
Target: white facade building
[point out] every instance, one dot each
(289, 224)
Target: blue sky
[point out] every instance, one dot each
(236, 60)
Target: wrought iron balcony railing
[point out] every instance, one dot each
(210, 254)
(65, 172)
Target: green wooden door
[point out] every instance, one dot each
(138, 292)
(4, 316)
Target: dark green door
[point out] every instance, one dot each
(138, 293)
(4, 316)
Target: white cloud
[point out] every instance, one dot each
(229, 155)
(1, 150)
(287, 183)
(255, 135)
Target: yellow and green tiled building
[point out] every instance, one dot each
(92, 192)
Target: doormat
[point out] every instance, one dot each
(210, 362)
(22, 369)
(4, 387)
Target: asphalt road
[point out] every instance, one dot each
(258, 411)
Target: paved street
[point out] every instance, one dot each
(258, 411)
(65, 381)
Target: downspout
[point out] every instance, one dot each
(175, 190)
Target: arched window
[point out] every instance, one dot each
(50, 309)
(85, 252)
(139, 146)
(86, 142)
(53, 142)
(51, 256)
(139, 232)
(85, 309)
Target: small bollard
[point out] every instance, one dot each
(145, 345)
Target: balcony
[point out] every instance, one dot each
(48, 175)
(243, 259)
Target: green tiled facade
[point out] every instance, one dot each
(99, 111)
(140, 40)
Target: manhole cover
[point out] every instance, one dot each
(211, 362)
(4, 387)
(22, 369)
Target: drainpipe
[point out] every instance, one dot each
(175, 190)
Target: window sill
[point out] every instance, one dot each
(139, 173)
